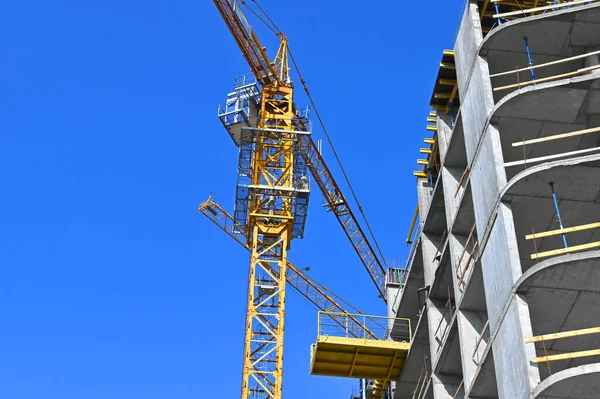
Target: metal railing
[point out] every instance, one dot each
(362, 326)
(563, 231)
(563, 356)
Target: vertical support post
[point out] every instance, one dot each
(498, 12)
(431, 183)
(560, 222)
(529, 59)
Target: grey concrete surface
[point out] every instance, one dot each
(581, 382)
(563, 294)
(503, 285)
(417, 361)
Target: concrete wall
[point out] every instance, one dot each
(499, 259)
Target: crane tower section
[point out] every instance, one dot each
(272, 195)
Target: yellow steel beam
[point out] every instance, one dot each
(412, 226)
(565, 334)
(447, 82)
(442, 96)
(429, 141)
(419, 173)
(453, 94)
(565, 356)
(556, 232)
(422, 162)
(446, 65)
(432, 113)
(432, 128)
(568, 250)
(432, 120)
(556, 137)
(484, 8)
(425, 150)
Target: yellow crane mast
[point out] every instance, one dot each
(276, 151)
(272, 193)
(265, 72)
(339, 311)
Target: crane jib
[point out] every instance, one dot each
(244, 35)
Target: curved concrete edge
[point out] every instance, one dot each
(540, 86)
(563, 376)
(554, 262)
(542, 167)
(546, 165)
(531, 19)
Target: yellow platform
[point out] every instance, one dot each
(358, 358)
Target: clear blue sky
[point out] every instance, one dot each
(111, 284)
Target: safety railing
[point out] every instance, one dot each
(460, 392)
(446, 320)
(532, 68)
(461, 270)
(563, 356)
(526, 11)
(563, 232)
(464, 180)
(362, 326)
(475, 356)
(421, 383)
(556, 137)
(246, 79)
(495, 13)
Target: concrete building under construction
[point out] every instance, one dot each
(502, 283)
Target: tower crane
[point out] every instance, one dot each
(272, 195)
(354, 321)
(263, 69)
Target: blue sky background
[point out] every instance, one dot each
(111, 284)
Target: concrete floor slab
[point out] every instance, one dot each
(540, 103)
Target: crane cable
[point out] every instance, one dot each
(267, 16)
(273, 28)
(339, 161)
(278, 32)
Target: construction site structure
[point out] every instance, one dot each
(502, 285)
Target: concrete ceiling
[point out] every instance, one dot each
(563, 294)
(577, 186)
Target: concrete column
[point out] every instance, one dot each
(500, 263)
(424, 197)
(444, 132)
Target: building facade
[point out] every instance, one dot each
(502, 285)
